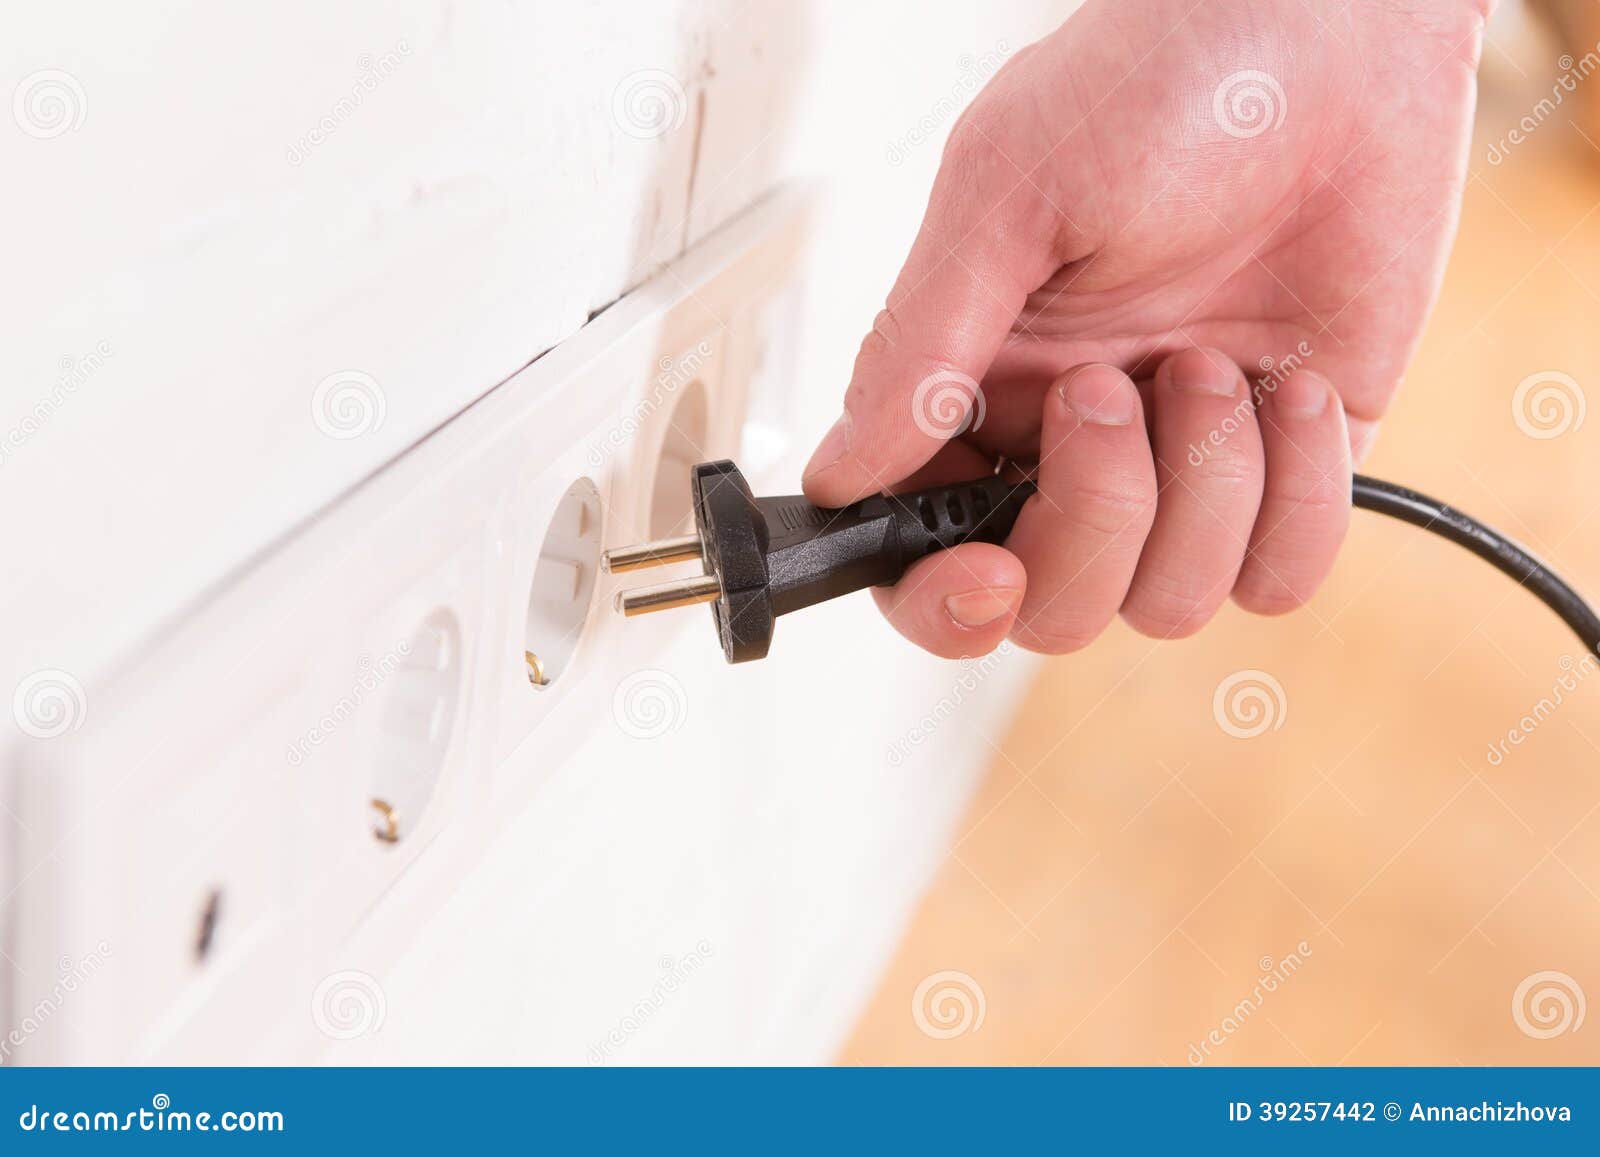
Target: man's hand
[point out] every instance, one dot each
(1180, 253)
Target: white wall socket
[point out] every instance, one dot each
(651, 857)
(210, 830)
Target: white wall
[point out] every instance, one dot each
(202, 263)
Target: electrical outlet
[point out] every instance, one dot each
(320, 753)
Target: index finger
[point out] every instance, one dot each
(986, 241)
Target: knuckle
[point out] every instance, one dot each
(1233, 492)
(1241, 468)
(966, 173)
(1165, 608)
(883, 335)
(1299, 541)
(1312, 497)
(1111, 511)
(972, 140)
(980, 181)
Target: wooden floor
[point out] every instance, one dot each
(1363, 882)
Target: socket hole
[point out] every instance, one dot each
(206, 934)
(688, 430)
(563, 581)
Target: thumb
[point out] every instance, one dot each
(987, 240)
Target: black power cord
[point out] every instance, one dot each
(1485, 542)
(765, 557)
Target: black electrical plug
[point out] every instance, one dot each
(765, 557)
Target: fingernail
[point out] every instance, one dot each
(1302, 395)
(1101, 395)
(832, 447)
(981, 607)
(1200, 372)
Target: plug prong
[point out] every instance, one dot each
(665, 596)
(657, 553)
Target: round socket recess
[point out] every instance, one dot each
(688, 430)
(563, 581)
(420, 684)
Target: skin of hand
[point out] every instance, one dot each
(1157, 194)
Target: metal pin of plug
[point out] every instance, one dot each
(647, 554)
(665, 596)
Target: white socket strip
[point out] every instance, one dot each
(333, 814)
